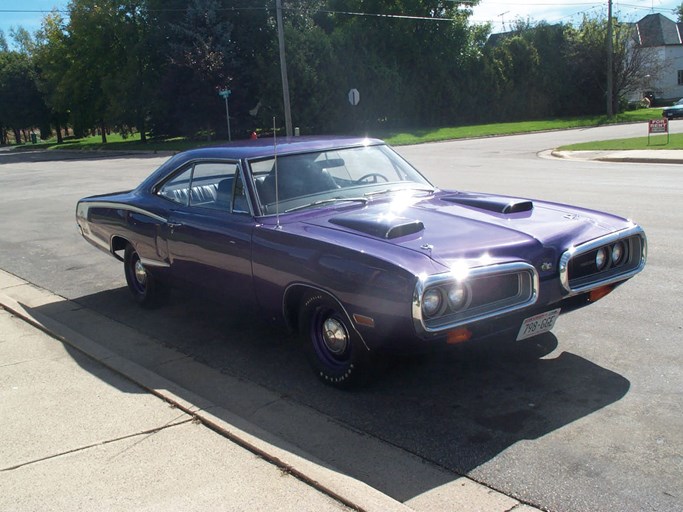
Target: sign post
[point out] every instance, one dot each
(224, 93)
(354, 99)
(658, 126)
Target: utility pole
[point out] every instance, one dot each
(283, 69)
(610, 64)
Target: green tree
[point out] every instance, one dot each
(3, 42)
(52, 60)
(23, 40)
(130, 87)
(408, 58)
(517, 63)
(588, 56)
(21, 104)
(91, 34)
(199, 58)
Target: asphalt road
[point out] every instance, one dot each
(587, 418)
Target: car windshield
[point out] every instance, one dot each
(324, 177)
(679, 102)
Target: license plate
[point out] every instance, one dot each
(538, 324)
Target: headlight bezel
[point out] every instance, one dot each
(631, 263)
(472, 308)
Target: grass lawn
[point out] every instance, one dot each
(396, 138)
(488, 130)
(116, 142)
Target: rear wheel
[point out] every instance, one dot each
(334, 349)
(146, 290)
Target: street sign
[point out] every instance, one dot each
(224, 93)
(354, 97)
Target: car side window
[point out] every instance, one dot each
(212, 185)
(177, 188)
(240, 203)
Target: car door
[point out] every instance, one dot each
(209, 232)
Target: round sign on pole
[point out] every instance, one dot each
(354, 97)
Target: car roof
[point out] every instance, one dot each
(262, 148)
(255, 149)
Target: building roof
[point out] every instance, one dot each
(658, 30)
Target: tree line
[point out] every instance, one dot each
(156, 66)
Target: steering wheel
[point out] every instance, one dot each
(374, 176)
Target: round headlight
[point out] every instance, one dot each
(431, 302)
(457, 295)
(601, 258)
(618, 252)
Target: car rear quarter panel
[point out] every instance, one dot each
(113, 220)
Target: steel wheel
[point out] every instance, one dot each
(143, 286)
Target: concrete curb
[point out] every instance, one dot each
(620, 156)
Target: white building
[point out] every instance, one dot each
(663, 36)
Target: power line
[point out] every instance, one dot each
(237, 9)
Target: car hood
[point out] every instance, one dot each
(453, 226)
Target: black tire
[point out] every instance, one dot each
(146, 290)
(333, 347)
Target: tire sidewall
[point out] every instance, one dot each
(345, 371)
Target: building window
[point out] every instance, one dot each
(680, 77)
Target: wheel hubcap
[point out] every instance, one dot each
(335, 336)
(140, 273)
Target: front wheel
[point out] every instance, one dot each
(333, 347)
(146, 290)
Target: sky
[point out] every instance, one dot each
(500, 13)
(26, 13)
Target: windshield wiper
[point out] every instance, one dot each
(327, 201)
(387, 190)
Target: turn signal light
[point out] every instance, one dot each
(458, 336)
(599, 293)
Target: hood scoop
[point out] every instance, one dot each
(381, 226)
(505, 205)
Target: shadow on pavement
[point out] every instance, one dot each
(458, 408)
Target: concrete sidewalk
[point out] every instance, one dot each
(78, 436)
(87, 428)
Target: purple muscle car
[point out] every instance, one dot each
(347, 244)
